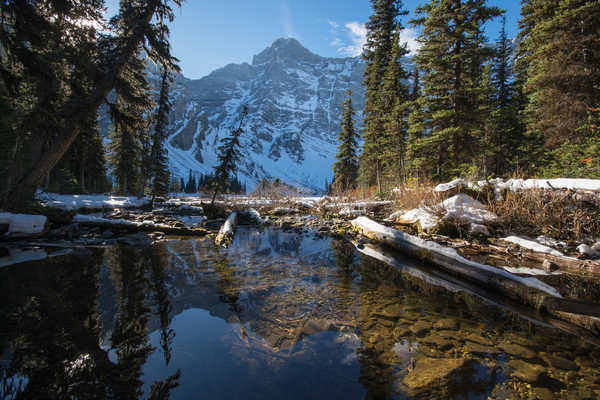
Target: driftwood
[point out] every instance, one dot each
(535, 258)
(225, 235)
(437, 277)
(490, 277)
(131, 226)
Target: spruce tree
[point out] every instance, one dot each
(131, 128)
(228, 155)
(395, 100)
(345, 169)
(159, 160)
(444, 120)
(560, 53)
(377, 53)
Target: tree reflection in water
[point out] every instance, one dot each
(52, 327)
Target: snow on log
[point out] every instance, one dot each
(527, 290)
(132, 226)
(532, 245)
(20, 225)
(225, 235)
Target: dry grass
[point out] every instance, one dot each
(559, 214)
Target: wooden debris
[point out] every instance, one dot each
(225, 235)
(490, 277)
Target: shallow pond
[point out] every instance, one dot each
(277, 315)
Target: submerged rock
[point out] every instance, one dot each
(527, 372)
(434, 372)
(518, 350)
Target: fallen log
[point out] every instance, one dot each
(530, 291)
(564, 263)
(225, 235)
(440, 278)
(132, 226)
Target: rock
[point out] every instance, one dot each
(559, 362)
(474, 337)
(517, 351)
(446, 323)
(107, 234)
(431, 372)
(549, 266)
(542, 394)
(3, 228)
(420, 328)
(438, 341)
(478, 230)
(527, 372)
(476, 348)
(587, 251)
(139, 239)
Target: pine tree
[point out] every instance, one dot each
(345, 169)
(395, 100)
(560, 53)
(131, 128)
(377, 53)
(57, 72)
(160, 165)
(228, 155)
(445, 118)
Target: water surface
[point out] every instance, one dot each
(277, 315)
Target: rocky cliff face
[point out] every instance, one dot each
(294, 100)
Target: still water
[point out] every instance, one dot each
(276, 316)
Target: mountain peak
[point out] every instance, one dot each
(285, 49)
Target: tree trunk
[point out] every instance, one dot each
(26, 183)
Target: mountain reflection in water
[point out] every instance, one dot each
(277, 315)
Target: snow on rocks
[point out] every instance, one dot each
(255, 215)
(589, 251)
(426, 219)
(460, 207)
(466, 209)
(23, 224)
(92, 201)
(532, 245)
(444, 187)
(195, 221)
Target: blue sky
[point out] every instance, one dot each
(207, 35)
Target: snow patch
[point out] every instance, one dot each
(531, 245)
(23, 223)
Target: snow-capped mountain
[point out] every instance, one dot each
(294, 100)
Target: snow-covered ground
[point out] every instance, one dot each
(77, 201)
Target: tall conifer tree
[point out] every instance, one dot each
(345, 169)
(160, 165)
(445, 118)
(381, 29)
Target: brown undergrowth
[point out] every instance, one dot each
(560, 214)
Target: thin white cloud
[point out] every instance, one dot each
(286, 17)
(351, 38)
